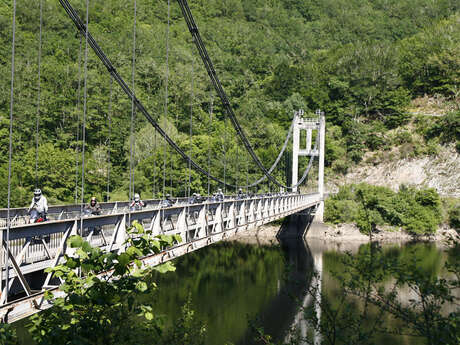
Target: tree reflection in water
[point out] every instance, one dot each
(231, 283)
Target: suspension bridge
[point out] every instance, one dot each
(28, 249)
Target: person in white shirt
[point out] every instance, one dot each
(39, 203)
(137, 203)
(219, 195)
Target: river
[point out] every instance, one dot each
(232, 284)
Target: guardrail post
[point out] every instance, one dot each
(218, 219)
(231, 216)
(260, 210)
(182, 224)
(250, 216)
(242, 214)
(156, 224)
(122, 234)
(200, 230)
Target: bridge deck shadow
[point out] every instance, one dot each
(296, 226)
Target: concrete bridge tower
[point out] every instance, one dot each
(310, 125)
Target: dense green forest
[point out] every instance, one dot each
(360, 61)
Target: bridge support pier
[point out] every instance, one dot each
(296, 226)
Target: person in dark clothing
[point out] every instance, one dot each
(94, 207)
(167, 202)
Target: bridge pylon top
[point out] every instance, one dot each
(303, 122)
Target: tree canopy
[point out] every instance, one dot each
(359, 61)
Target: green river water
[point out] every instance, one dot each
(231, 283)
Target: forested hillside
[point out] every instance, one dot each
(360, 61)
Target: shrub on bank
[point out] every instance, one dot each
(452, 208)
(446, 129)
(417, 211)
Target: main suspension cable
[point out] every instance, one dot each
(277, 160)
(186, 12)
(112, 70)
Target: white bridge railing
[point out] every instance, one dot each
(20, 216)
(34, 247)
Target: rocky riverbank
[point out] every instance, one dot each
(350, 232)
(264, 235)
(344, 233)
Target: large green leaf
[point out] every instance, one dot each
(166, 267)
(75, 241)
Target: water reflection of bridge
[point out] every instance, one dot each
(286, 311)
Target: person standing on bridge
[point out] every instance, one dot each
(219, 195)
(137, 203)
(39, 203)
(168, 202)
(94, 207)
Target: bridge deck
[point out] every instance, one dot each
(37, 246)
(20, 216)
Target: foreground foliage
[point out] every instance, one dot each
(417, 211)
(109, 298)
